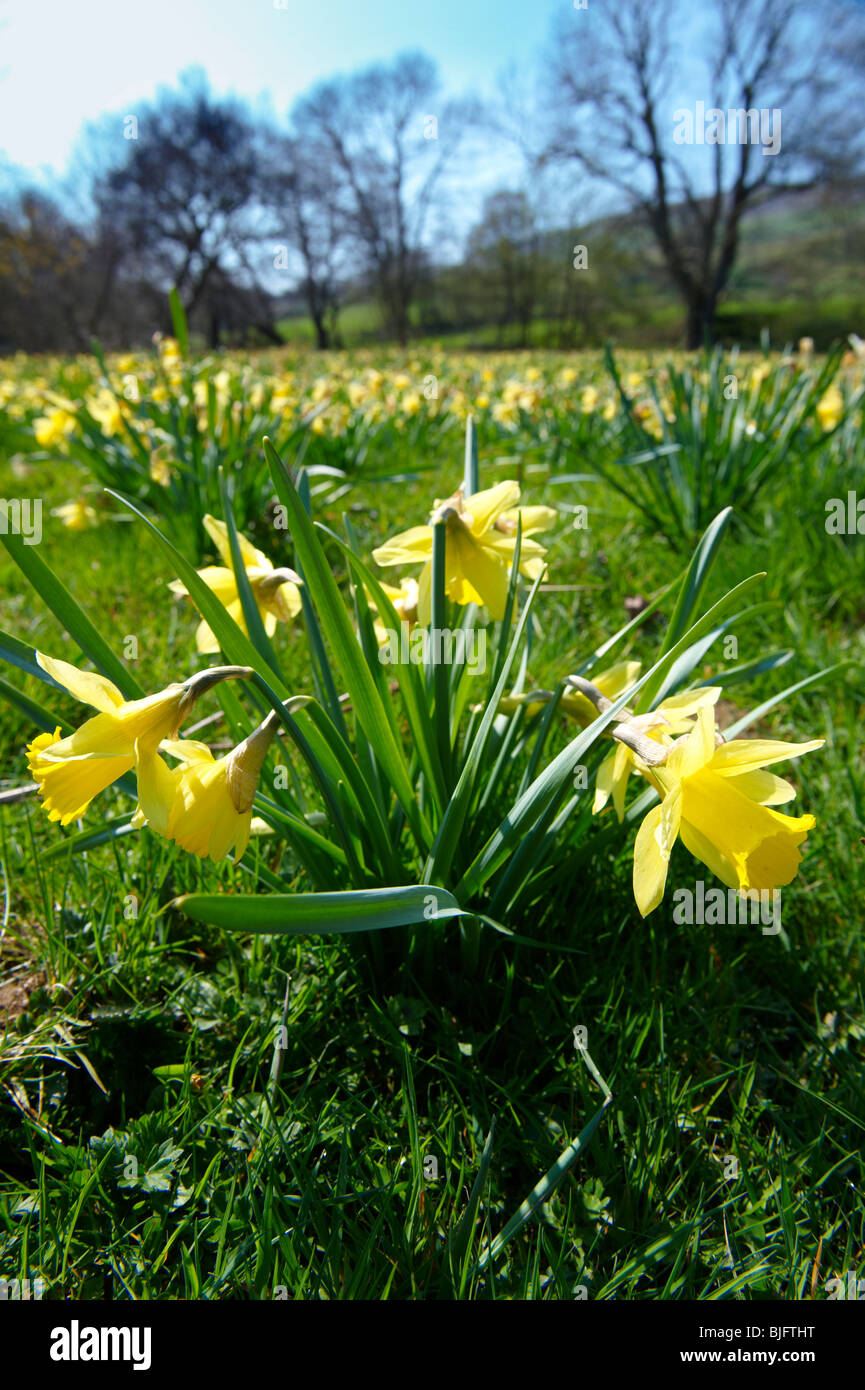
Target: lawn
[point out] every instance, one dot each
(191, 1110)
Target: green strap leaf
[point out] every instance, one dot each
(178, 319)
(695, 578)
(438, 622)
(408, 676)
(453, 821)
(251, 615)
(535, 800)
(324, 914)
(470, 473)
(705, 625)
(336, 624)
(89, 839)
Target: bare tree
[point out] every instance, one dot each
(503, 257)
(45, 263)
(388, 135)
(181, 200)
(300, 188)
(770, 118)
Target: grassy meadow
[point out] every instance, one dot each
(706, 1139)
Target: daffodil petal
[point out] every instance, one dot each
(424, 591)
(687, 702)
(534, 518)
(408, 548)
(621, 773)
(218, 533)
(652, 848)
(187, 750)
(747, 754)
(220, 581)
(617, 678)
(485, 507)
(205, 639)
(603, 784)
(87, 686)
(242, 833)
(763, 787)
(157, 788)
(697, 749)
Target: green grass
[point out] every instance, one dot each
(655, 320)
(147, 1037)
(357, 323)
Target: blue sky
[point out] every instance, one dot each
(65, 63)
(62, 63)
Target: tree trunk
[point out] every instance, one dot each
(268, 331)
(700, 320)
(322, 337)
(401, 325)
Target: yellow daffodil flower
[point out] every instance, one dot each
(830, 408)
(55, 427)
(107, 411)
(77, 515)
(276, 593)
(719, 800)
(478, 551)
(169, 350)
(205, 804)
(71, 771)
(161, 461)
(674, 716)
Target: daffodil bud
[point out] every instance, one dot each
(275, 580)
(648, 749)
(591, 692)
(244, 764)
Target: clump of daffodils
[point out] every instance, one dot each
(717, 796)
